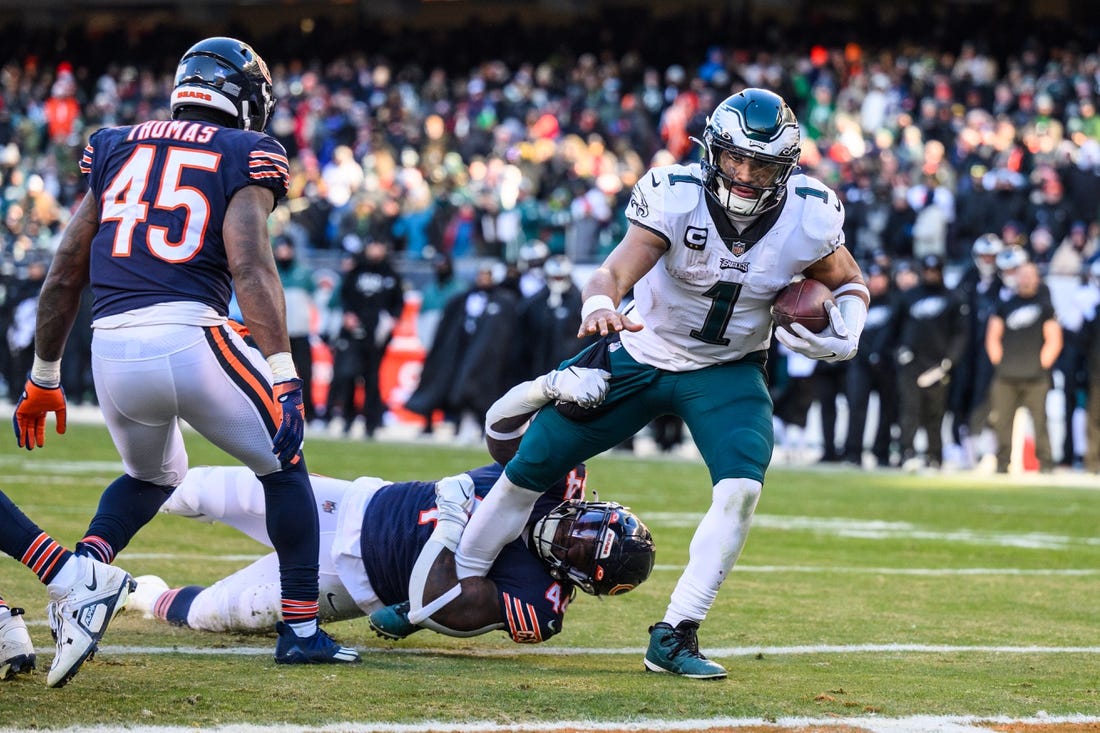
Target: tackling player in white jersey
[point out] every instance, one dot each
(708, 247)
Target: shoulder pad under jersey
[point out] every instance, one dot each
(666, 191)
(822, 211)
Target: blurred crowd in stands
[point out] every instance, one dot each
(484, 188)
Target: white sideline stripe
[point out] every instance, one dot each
(823, 569)
(879, 529)
(735, 651)
(124, 556)
(816, 569)
(910, 724)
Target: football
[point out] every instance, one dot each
(803, 302)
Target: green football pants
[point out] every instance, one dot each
(726, 407)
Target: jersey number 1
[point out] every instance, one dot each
(722, 296)
(123, 202)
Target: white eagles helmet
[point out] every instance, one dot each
(984, 251)
(1011, 257)
(755, 124)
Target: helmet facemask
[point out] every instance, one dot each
(752, 147)
(745, 194)
(601, 547)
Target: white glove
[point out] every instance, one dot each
(934, 375)
(833, 344)
(454, 499)
(580, 385)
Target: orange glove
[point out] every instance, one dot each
(29, 419)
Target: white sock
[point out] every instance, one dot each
(497, 520)
(66, 577)
(715, 547)
(304, 629)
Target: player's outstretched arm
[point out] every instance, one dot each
(507, 419)
(632, 258)
(58, 304)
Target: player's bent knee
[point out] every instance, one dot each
(737, 496)
(746, 454)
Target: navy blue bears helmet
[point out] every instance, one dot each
(600, 546)
(227, 75)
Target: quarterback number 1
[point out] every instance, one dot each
(722, 296)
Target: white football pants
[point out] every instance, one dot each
(250, 599)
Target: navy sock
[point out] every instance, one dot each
(126, 506)
(19, 531)
(293, 528)
(174, 605)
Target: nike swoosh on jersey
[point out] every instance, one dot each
(654, 180)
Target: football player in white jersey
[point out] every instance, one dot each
(708, 247)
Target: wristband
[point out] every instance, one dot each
(596, 303)
(46, 373)
(282, 367)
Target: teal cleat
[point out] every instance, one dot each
(392, 622)
(676, 650)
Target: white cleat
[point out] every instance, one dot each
(144, 597)
(79, 618)
(16, 648)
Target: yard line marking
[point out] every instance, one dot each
(879, 529)
(816, 569)
(849, 570)
(870, 723)
(124, 556)
(54, 465)
(739, 651)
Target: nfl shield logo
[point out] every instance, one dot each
(737, 248)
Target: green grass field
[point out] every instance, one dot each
(858, 594)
